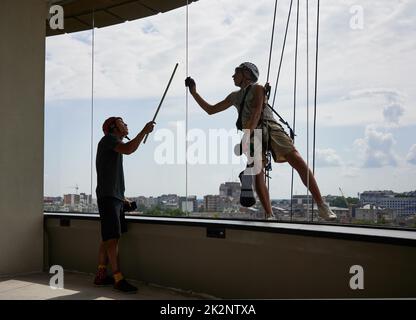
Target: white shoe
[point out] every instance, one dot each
(326, 213)
(272, 217)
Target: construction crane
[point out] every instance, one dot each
(343, 197)
(349, 206)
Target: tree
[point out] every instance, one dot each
(157, 211)
(340, 202)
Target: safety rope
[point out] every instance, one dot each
(292, 134)
(267, 176)
(282, 53)
(187, 103)
(307, 107)
(268, 166)
(316, 91)
(271, 42)
(294, 100)
(92, 97)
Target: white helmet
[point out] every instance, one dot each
(250, 67)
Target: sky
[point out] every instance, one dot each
(366, 115)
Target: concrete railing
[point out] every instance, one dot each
(245, 259)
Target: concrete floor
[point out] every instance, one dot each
(79, 286)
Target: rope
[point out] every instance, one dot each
(92, 98)
(267, 175)
(187, 103)
(316, 91)
(271, 42)
(294, 100)
(281, 55)
(307, 106)
(268, 164)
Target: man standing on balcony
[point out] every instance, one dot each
(110, 197)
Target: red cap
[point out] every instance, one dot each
(109, 124)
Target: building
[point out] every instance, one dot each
(188, 205)
(150, 202)
(141, 201)
(52, 200)
(71, 199)
(78, 202)
(168, 201)
(85, 199)
(52, 203)
(373, 196)
(400, 204)
(302, 199)
(213, 203)
(230, 189)
(343, 214)
(373, 213)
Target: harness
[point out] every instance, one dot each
(239, 123)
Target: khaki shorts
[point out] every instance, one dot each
(277, 141)
(274, 139)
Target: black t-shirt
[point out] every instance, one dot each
(109, 165)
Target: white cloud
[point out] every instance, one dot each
(392, 96)
(327, 158)
(376, 148)
(393, 101)
(392, 113)
(411, 156)
(365, 106)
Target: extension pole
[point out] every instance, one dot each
(163, 97)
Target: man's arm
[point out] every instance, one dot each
(132, 145)
(210, 109)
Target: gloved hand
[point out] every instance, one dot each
(190, 83)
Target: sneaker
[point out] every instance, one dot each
(326, 213)
(271, 217)
(106, 281)
(125, 287)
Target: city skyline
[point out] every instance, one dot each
(371, 207)
(412, 192)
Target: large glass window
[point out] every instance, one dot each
(361, 150)
(67, 172)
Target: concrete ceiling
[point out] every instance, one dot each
(78, 13)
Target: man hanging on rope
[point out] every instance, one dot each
(110, 197)
(250, 102)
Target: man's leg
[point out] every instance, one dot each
(297, 162)
(263, 193)
(120, 283)
(101, 277)
(102, 255)
(111, 247)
